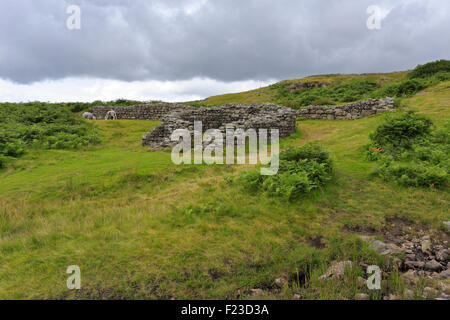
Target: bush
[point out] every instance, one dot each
(409, 153)
(301, 170)
(400, 132)
(409, 87)
(42, 125)
(414, 174)
(430, 69)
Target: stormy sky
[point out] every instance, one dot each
(179, 50)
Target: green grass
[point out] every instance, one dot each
(141, 227)
(270, 94)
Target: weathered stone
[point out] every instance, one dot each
(444, 287)
(385, 248)
(430, 293)
(280, 282)
(415, 264)
(350, 111)
(426, 245)
(256, 292)
(442, 255)
(433, 265)
(229, 117)
(362, 296)
(410, 277)
(444, 275)
(296, 297)
(337, 270)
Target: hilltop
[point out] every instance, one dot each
(338, 88)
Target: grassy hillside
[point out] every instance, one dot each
(271, 94)
(339, 89)
(141, 227)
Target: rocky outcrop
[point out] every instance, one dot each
(233, 116)
(351, 111)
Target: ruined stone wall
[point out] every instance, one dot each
(349, 111)
(154, 111)
(234, 116)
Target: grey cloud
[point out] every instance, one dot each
(227, 40)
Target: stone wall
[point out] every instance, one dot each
(349, 111)
(234, 116)
(154, 111)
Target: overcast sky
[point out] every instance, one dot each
(178, 50)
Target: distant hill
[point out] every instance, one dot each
(334, 89)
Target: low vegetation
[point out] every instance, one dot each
(340, 89)
(410, 153)
(302, 169)
(41, 125)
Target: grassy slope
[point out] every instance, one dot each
(269, 93)
(140, 227)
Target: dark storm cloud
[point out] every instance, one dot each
(227, 40)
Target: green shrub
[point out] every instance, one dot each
(288, 186)
(323, 102)
(430, 69)
(414, 174)
(409, 153)
(42, 125)
(409, 87)
(400, 132)
(301, 170)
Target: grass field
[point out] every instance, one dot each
(140, 227)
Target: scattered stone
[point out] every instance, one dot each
(430, 292)
(415, 264)
(296, 297)
(444, 287)
(433, 265)
(362, 296)
(256, 292)
(410, 277)
(426, 245)
(385, 248)
(442, 255)
(445, 275)
(280, 282)
(337, 270)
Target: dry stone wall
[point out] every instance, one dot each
(154, 111)
(351, 111)
(236, 116)
(231, 116)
